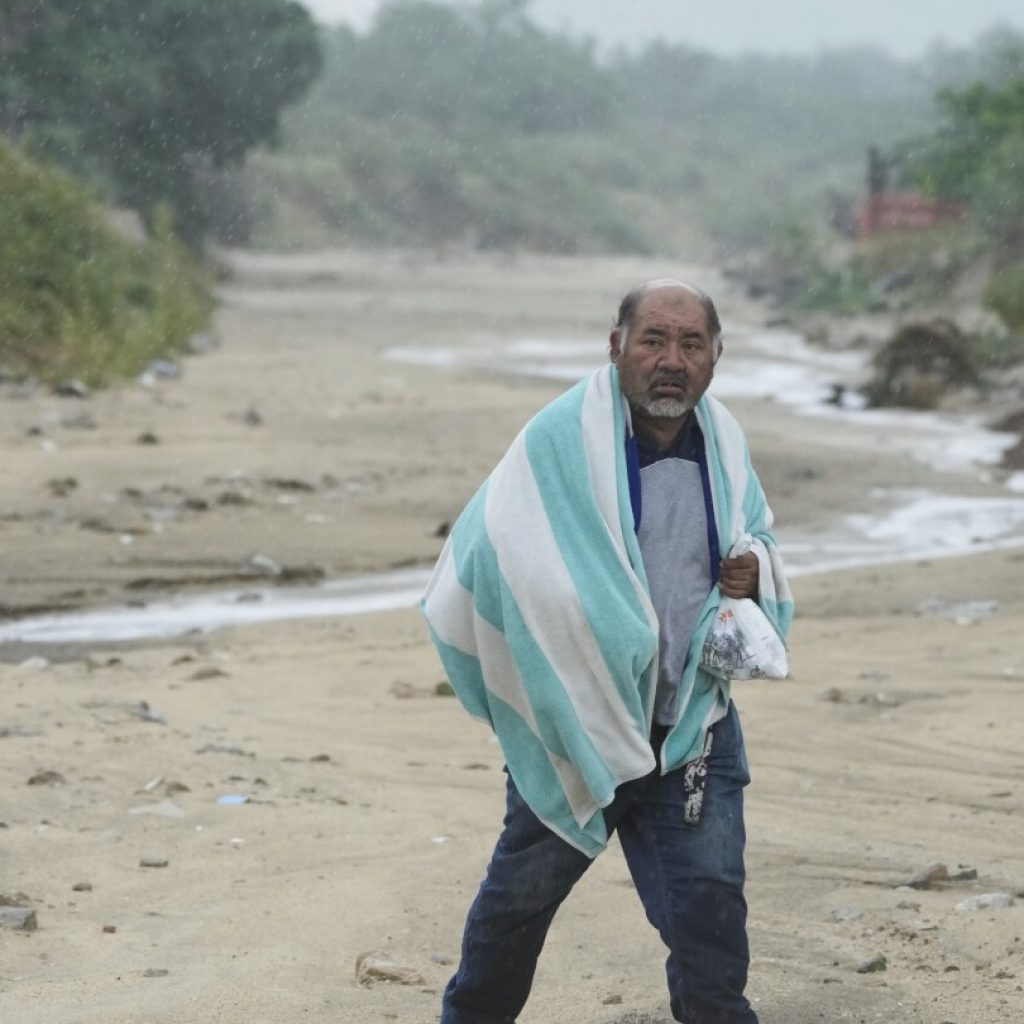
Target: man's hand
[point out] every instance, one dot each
(738, 577)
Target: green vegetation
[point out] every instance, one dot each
(1005, 296)
(468, 123)
(151, 99)
(76, 299)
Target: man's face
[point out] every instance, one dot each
(669, 358)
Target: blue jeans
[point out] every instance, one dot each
(689, 878)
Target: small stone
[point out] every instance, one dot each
(155, 972)
(847, 914)
(71, 389)
(145, 713)
(223, 748)
(927, 877)
(252, 418)
(22, 919)
(320, 758)
(210, 672)
(613, 1000)
(110, 929)
(82, 887)
(147, 437)
(833, 695)
(47, 778)
(375, 966)
(153, 861)
(444, 689)
(967, 875)
(873, 964)
(986, 901)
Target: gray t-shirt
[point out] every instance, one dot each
(673, 538)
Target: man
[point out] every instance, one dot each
(570, 607)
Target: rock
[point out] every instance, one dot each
(153, 861)
(147, 437)
(145, 713)
(444, 689)
(284, 483)
(873, 964)
(155, 972)
(224, 748)
(613, 1000)
(71, 389)
(22, 919)
(266, 564)
(110, 929)
(847, 914)
(920, 364)
(211, 672)
(986, 901)
(375, 966)
(320, 758)
(82, 887)
(967, 874)
(34, 663)
(927, 877)
(61, 487)
(47, 778)
(833, 695)
(252, 418)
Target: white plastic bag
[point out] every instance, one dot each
(742, 643)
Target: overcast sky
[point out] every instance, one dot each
(904, 27)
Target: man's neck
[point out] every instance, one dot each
(659, 431)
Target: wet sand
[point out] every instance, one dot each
(373, 801)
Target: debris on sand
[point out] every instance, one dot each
(927, 877)
(921, 364)
(986, 901)
(374, 967)
(873, 964)
(21, 919)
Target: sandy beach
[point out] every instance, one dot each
(312, 796)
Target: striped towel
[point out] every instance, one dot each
(540, 611)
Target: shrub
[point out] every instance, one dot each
(77, 299)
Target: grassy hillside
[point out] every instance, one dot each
(76, 299)
(470, 124)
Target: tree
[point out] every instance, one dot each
(150, 92)
(977, 158)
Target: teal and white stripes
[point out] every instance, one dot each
(539, 608)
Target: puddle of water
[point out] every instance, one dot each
(220, 610)
(908, 526)
(911, 525)
(762, 363)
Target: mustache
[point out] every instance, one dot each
(677, 379)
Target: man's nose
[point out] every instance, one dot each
(672, 356)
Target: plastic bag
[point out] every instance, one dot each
(742, 643)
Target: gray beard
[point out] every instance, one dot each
(666, 408)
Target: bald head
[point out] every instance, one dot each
(630, 304)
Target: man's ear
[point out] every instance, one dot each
(718, 351)
(614, 339)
